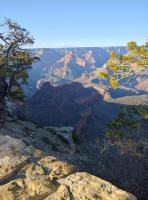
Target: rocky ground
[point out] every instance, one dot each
(29, 173)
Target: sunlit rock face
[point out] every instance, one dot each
(142, 84)
(63, 65)
(67, 64)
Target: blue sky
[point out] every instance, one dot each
(67, 23)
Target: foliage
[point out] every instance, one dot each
(75, 137)
(129, 65)
(128, 130)
(15, 61)
(103, 75)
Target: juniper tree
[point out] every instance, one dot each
(15, 61)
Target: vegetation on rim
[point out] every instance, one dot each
(14, 62)
(128, 130)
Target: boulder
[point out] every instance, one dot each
(57, 169)
(65, 135)
(62, 193)
(32, 188)
(13, 156)
(84, 186)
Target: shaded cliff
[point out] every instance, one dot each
(73, 105)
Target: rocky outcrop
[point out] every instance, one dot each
(142, 84)
(89, 58)
(29, 174)
(13, 155)
(47, 139)
(85, 186)
(80, 62)
(65, 134)
(66, 64)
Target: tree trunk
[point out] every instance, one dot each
(3, 89)
(2, 112)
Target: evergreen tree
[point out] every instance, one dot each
(129, 65)
(15, 61)
(129, 130)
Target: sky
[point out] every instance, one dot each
(80, 23)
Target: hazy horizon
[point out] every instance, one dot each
(71, 47)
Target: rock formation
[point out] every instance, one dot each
(29, 174)
(66, 64)
(73, 105)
